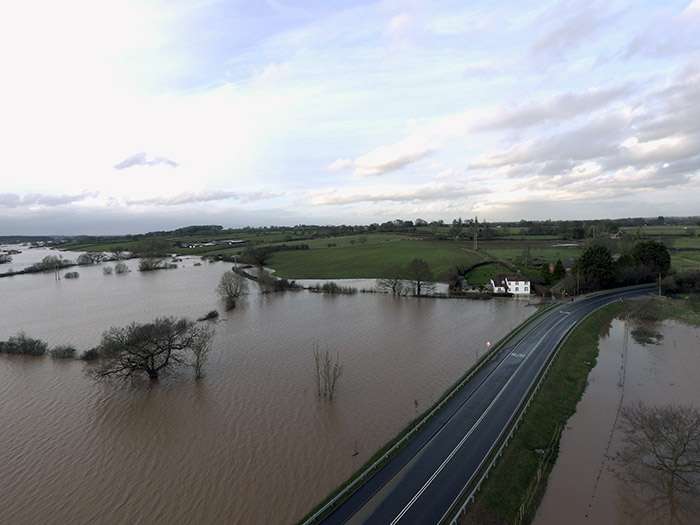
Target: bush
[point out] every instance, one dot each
(121, 267)
(332, 287)
(107, 270)
(90, 355)
(71, 275)
(211, 315)
(21, 344)
(687, 281)
(63, 352)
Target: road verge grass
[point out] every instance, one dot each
(516, 485)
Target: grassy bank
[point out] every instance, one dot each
(516, 485)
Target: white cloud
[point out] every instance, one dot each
(204, 196)
(340, 164)
(139, 159)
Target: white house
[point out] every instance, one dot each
(515, 283)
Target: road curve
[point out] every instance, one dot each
(425, 480)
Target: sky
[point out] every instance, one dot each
(138, 115)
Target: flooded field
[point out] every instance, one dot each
(249, 443)
(584, 486)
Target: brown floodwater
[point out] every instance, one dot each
(584, 486)
(250, 442)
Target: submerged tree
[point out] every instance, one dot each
(153, 252)
(328, 371)
(231, 286)
(392, 280)
(421, 278)
(200, 350)
(148, 348)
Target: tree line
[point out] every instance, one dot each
(597, 269)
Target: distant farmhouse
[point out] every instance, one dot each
(211, 243)
(515, 283)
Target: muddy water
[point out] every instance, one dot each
(584, 487)
(250, 443)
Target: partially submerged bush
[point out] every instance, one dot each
(63, 352)
(333, 288)
(71, 275)
(121, 267)
(107, 270)
(21, 344)
(90, 355)
(211, 315)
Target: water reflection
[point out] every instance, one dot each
(587, 483)
(648, 505)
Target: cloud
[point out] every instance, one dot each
(189, 197)
(139, 159)
(385, 159)
(575, 29)
(411, 194)
(553, 110)
(13, 200)
(482, 69)
(668, 34)
(560, 107)
(340, 164)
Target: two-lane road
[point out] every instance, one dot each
(426, 479)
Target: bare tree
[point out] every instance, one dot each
(328, 371)
(392, 280)
(91, 258)
(662, 451)
(231, 286)
(145, 348)
(421, 278)
(200, 349)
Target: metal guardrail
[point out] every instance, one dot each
(512, 427)
(370, 470)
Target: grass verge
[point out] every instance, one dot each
(531, 454)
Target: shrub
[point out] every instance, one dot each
(63, 352)
(107, 270)
(21, 344)
(211, 315)
(90, 355)
(121, 267)
(71, 275)
(333, 288)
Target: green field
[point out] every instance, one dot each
(370, 259)
(345, 252)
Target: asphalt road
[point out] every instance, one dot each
(427, 478)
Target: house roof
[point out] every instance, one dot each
(501, 278)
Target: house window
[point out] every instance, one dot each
(516, 288)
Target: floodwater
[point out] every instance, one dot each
(584, 486)
(250, 442)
